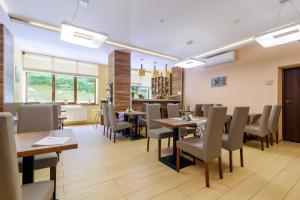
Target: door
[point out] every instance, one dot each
(291, 104)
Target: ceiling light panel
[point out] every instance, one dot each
(279, 36)
(81, 36)
(189, 63)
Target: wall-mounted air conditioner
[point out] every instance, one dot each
(221, 58)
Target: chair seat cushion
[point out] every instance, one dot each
(193, 146)
(38, 191)
(253, 129)
(160, 133)
(42, 161)
(123, 125)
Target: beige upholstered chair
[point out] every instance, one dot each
(208, 147)
(234, 140)
(114, 124)
(11, 107)
(174, 112)
(143, 120)
(198, 112)
(34, 118)
(105, 119)
(10, 188)
(260, 128)
(155, 131)
(57, 124)
(206, 108)
(273, 123)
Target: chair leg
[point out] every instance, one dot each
(104, 130)
(241, 157)
(110, 132)
(53, 178)
(169, 142)
(178, 160)
(267, 141)
(115, 134)
(206, 174)
(220, 167)
(148, 144)
(277, 137)
(262, 143)
(271, 138)
(159, 149)
(146, 131)
(230, 161)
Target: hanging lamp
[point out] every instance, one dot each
(142, 72)
(155, 72)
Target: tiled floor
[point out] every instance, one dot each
(100, 169)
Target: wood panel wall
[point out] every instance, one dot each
(119, 74)
(6, 66)
(177, 83)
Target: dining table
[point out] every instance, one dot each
(135, 115)
(27, 150)
(175, 124)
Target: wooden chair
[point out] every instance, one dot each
(208, 147)
(234, 140)
(10, 188)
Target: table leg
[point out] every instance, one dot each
(170, 160)
(136, 136)
(28, 171)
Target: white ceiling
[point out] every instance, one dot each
(210, 24)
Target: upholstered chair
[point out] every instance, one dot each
(198, 112)
(174, 112)
(206, 108)
(273, 123)
(105, 119)
(143, 120)
(155, 131)
(260, 128)
(234, 140)
(115, 125)
(10, 188)
(34, 118)
(208, 147)
(11, 107)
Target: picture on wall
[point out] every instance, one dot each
(219, 81)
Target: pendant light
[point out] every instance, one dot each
(167, 72)
(155, 72)
(142, 72)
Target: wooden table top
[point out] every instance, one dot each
(133, 113)
(173, 123)
(24, 142)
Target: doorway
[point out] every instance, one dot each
(291, 104)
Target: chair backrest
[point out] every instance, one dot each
(153, 112)
(11, 107)
(274, 118)
(198, 112)
(173, 110)
(206, 108)
(264, 120)
(144, 107)
(55, 117)
(212, 139)
(112, 117)
(10, 187)
(35, 117)
(237, 127)
(105, 114)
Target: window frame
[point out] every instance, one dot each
(54, 88)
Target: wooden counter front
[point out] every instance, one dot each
(137, 104)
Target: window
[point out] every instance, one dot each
(86, 90)
(45, 87)
(39, 87)
(64, 89)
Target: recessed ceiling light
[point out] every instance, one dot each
(189, 63)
